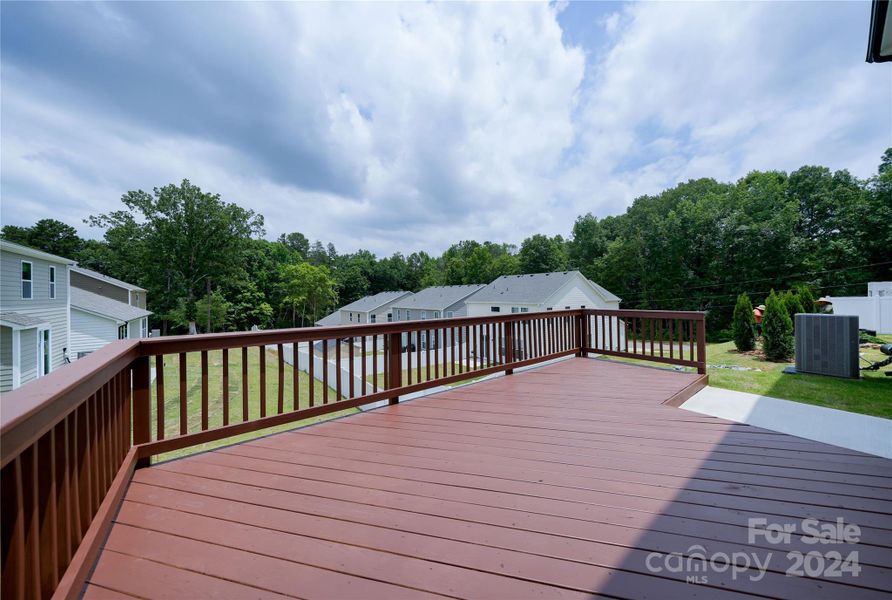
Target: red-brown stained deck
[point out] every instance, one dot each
(554, 483)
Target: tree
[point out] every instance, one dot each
(48, 235)
(777, 329)
(743, 325)
(806, 299)
(249, 307)
(309, 291)
(217, 308)
(180, 241)
(542, 254)
(296, 242)
(794, 306)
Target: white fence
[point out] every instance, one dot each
(874, 313)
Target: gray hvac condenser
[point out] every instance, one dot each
(827, 345)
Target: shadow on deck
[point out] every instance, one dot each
(570, 480)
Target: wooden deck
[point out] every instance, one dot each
(558, 482)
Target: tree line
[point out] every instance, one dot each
(697, 246)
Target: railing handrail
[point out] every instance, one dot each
(35, 408)
(647, 314)
(217, 341)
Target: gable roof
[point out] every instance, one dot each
(105, 307)
(330, 319)
(8, 246)
(438, 297)
(106, 278)
(370, 303)
(534, 288)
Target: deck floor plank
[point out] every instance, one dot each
(553, 483)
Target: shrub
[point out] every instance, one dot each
(743, 324)
(777, 329)
(806, 299)
(791, 301)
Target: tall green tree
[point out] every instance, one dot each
(49, 235)
(310, 291)
(180, 242)
(744, 324)
(543, 254)
(777, 329)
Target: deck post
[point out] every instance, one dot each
(394, 364)
(701, 345)
(581, 333)
(140, 409)
(509, 345)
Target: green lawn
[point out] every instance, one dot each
(215, 395)
(870, 395)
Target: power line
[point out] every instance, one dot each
(777, 278)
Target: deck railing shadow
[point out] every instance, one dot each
(734, 508)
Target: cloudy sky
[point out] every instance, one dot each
(398, 127)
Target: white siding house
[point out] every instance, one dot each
(370, 309)
(97, 320)
(438, 302)
(33, 313)
(540, 291)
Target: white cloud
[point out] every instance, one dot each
(398, 127)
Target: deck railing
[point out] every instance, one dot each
(71, 440)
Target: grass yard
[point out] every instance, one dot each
(215, 395)
(871, 395)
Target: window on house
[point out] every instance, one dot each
(52, 282)
(436, 314)
(144, 327)
(389, 317)
(524, 309)
(449, 314)
(27, 292)
(515, 309)
(373, 318)
(567, 307)
(408, 315)
(549, 308)
(582, 306)
(122, 332)
(424, 314)
(495, 309)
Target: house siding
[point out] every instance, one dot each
(5, 359)
(29, 355)
(90, 332)
(52, 310)
(576, 296)
(103, 288)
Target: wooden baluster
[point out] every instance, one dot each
(375, 363)
(295, 376)
(385, 365)
(626, 333)
(691, 340)
(204, 390)
(246, 388)
(363, 367)
(225, 364)
(427, 365)
(671, 344)
(281, 392)
(351, 369)
(311, 377)
(409, 346)
(183, 395)
(679, 327)
(417, 356)
(338, 393)
(436, 344)
(261, 357)
(67, 464)
(324, 371)
(159, 397)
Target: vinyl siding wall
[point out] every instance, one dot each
(103, 288)
(53, 311)
(5, 359)
(90, 332)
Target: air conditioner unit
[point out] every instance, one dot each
(827, 345)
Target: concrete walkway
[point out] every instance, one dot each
(863, 433)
